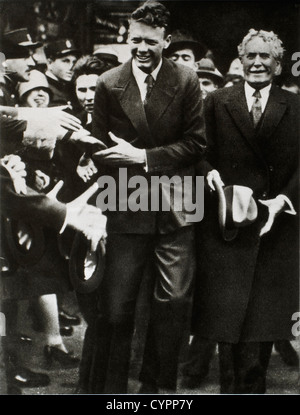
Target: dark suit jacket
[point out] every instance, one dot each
(248, 289)
(172, 134)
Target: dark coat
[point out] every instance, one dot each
(248, 289)
(62, 93)
(172, 134)
(11, 130)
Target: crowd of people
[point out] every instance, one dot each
(231, 278)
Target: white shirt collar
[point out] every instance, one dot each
(51, 75)
(264, 92)
(139, 74)
(140, 77)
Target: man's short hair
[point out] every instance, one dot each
(152, 14)
(269, 37)
(89, 65)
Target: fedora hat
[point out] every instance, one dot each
(86, 268)
(18, 252)
(107, 54)
(237, 208)
(181, 39)
(207, 68)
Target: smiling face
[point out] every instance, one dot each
(37, 98)
(259, 64)
(146, 45)
(62, 67)
(85, 91)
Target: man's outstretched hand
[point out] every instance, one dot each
(82, 217)
(122, 154)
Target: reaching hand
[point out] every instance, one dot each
(16, 169)
(54, 115)
(123, 153)
(86, 168)
(275, 206)
(86, 218)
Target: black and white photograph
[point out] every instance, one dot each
(149, 200)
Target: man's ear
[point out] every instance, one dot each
(167, 41)
(278, 69)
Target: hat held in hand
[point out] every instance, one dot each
(237, 208)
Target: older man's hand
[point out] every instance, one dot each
(213, 177)
(275, 207)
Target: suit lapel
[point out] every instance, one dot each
(163, 93)
(237, 107)
(128, 93)
(275, 109)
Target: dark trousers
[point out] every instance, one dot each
(243, 367)
(88, 307)
(200, 354)
(172, 257)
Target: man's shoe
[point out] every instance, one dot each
(287, 352)
(66, 331)
(191, 382)
(66, 319)
(65, 359)
(148, 389)
(26, 378)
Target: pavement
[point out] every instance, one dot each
(281, 379)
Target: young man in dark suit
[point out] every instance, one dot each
(154, 105)
(247, 289)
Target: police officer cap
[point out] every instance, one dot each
(17, 43)
(61, 48)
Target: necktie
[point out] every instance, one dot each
(256, 110)
(150, 83)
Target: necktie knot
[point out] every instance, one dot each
(257, 94)
(150, 83)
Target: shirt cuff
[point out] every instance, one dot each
(62, 229)
(290, 208)
(146, 163)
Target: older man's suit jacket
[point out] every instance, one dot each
(248, 289)
(172, 133)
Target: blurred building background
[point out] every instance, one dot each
(219, 24)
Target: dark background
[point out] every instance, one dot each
(221, 25)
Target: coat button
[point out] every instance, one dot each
(234, 165)
(264, 194)
(271, 168)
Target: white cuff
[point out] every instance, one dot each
(146, 163)
(65, 223)
(291, 209)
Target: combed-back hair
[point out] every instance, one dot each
(152, 13)
(89, 65)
